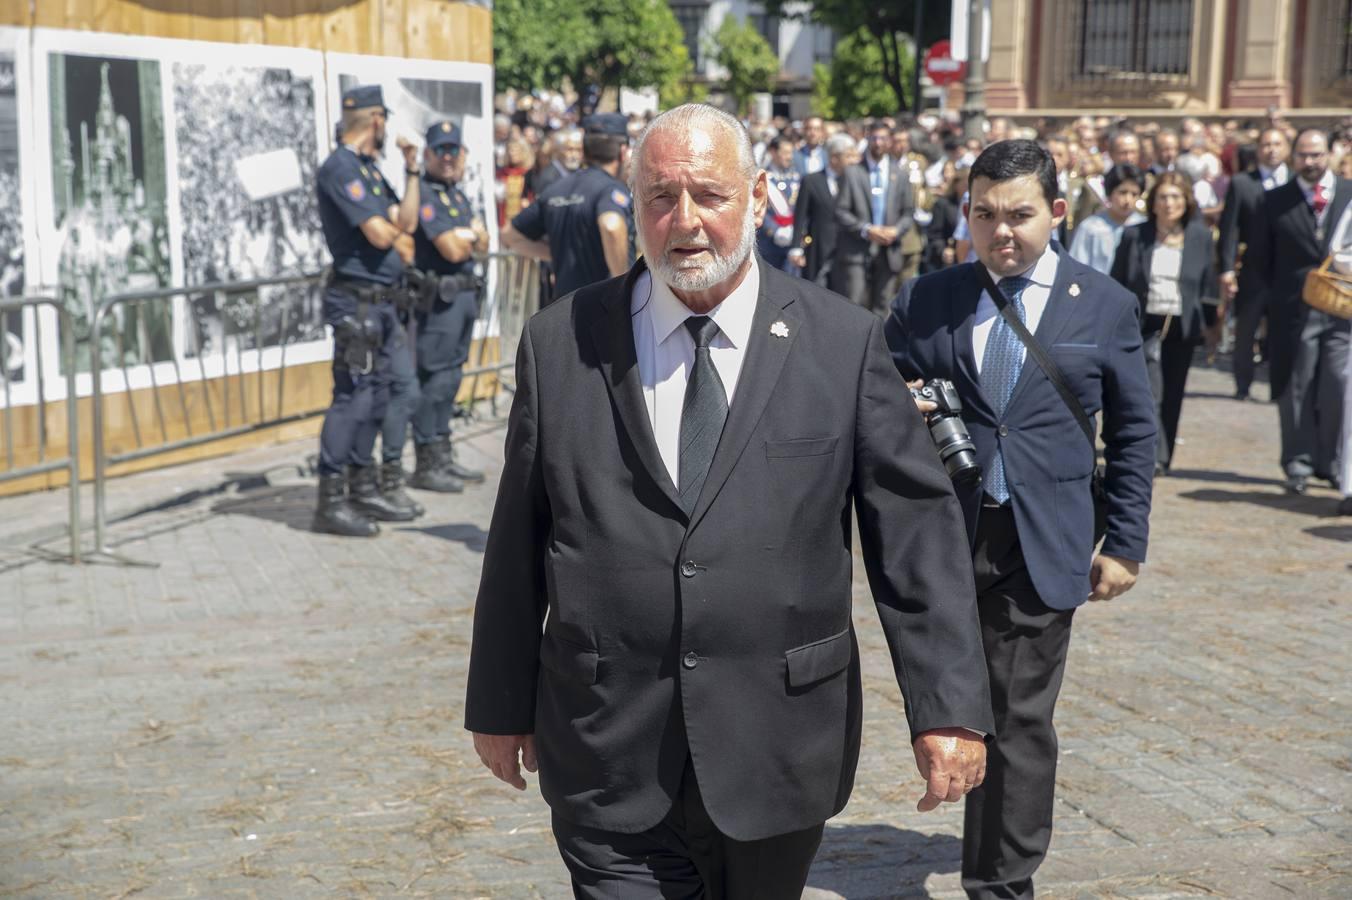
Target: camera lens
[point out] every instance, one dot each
(956, 449)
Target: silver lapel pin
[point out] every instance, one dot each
(1074, 290)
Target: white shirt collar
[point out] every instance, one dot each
(1043, 271)
(733, 316)
(1264, 173)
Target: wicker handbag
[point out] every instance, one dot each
(1329, 291)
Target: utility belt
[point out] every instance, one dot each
(357, 336)
(421, 290)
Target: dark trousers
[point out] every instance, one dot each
(1008, 820)
(444, 337)
(868, 282)
(1250, 307)
(685, 856)
(360, 394)
(405, 395)
(1311, 407)
(1167, 360)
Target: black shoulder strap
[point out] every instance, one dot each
(1035, 349)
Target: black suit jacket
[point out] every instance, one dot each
(1090, 329)
(1197, 282)
(1243, 205)
(854, 211)
(814, 226)
(1284, 250)
(625, 634)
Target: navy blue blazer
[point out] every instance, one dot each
(1091, 328)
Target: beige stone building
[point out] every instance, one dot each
(1167, 58)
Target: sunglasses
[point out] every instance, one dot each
(448, 150)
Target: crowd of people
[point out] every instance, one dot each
(1172, 211)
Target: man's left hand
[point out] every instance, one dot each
(952, 761)
(1112, 576)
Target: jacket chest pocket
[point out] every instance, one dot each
(801, 448)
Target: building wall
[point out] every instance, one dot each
(1242, 56)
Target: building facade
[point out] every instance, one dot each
(1170, 57)
(799, 44)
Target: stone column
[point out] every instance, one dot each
(1262, 54)
(1007, 70)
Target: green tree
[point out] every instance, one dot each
(746, 56)
(611, 43)
(856, 85)
(886, 24)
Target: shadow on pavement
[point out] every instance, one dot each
(1332, 532)
(1221, 477)
(881, 861)
(292, 505)
(1307, 504)
(472, 536)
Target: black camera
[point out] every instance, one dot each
(949, 431)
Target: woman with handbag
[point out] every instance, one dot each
(1168, 263)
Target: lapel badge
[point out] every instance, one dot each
(779, 329)
(1074, 290)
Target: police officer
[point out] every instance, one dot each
(448, 233)
(369, 234)
(775, 235)
(582, 223)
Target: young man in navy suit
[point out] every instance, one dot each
(1031, 520)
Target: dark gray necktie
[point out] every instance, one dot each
(702, 416)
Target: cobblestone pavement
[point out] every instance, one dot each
(273, 713)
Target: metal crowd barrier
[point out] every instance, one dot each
(221, 423)
(513, 295)
(15, 306)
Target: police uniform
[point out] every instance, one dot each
(351, 190)
(567, 211)
(445, 328)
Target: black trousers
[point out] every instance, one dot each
(348, 436)
(685, 856)
(1250, 308)
(1167, 360)
(1008, 820)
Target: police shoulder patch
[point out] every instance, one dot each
(356, 189)
(427, 212)
(620, 197)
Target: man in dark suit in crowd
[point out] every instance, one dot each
(873, 211)
(1308, 348)
(664, 616)
(1032, 522)
(1239, 220)
(814, 215)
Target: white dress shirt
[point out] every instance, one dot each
(1329, 182)
(1035, 297)
(1272, 178)
(666, 352)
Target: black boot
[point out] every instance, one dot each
(366, 497)
(392, 487)
(335, 515)
(448, 464)
(431, 477)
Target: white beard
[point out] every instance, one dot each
(692, 278)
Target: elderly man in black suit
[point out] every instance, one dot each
(874, 209)
(814, 215)
(1308, 347)
(1239, 223)
(664, 620)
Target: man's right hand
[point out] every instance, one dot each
(925, 406)
(797, 257)
(1229, 284)
(505, 754)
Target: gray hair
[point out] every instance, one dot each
(693, 115)
(839, 144)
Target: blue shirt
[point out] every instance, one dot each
(444, 206)
(352, 190)
(1096, 239)
(566, 213)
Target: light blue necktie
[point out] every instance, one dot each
(1000, 367)
(879, 195)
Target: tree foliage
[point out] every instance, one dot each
(751, 63)
(885, 23)
(854, 83)
(611, 43)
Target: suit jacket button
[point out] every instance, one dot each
(688, 569)
(1004, 432)
(690, 660)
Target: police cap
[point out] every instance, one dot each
(364, 96)
(607, 123)
(442, 134)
